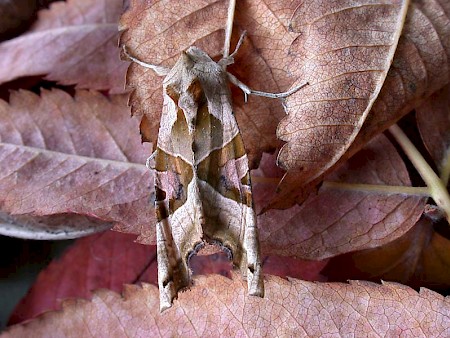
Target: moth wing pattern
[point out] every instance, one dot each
(202, 180)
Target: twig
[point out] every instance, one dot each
(437, 189)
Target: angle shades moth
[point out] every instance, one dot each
(202, 178)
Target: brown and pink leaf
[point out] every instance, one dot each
(420, 258)
(219, 263)
(107, 260)
(57, 226)
(420, 67)
(62, 155)
(218, 306)
(336, 219)
(433, 120)
(344, 108)
(74, 42)
(283, 266)
(111, 259)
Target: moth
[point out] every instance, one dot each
(202, 179)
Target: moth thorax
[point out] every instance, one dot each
(189, 107)
(191, 120)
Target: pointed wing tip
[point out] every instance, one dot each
(164, 306)
(257, 291)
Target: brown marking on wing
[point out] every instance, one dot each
(213, 169)
(145, 127)
(208, 131)
(196, 90)
(173, 92)
(247, 197)
(173, 175)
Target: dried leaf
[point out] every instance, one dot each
(111, 259)
(296, 268)
(260, 62)
(344, 51)
(217, 306)
(420, 258)
(52, 227)
(60, 155)
(73, 42)
(97, 174)
(106, 260)
(433, 120)
(339, 220)
(419, 68)
(219, 263)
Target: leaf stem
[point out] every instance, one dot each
(385, 189)
(229, 28)
(437, 189)
(388, 189)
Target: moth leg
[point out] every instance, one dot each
(159, 70)
(247, 91)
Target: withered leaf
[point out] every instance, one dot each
(74, 42)
(110, 259)
(127, 201)
(293, 267)
(62, 155)
(56, 226)
(327, 128)
(420, 67)
(420, 258)
(217, 306)
(106, 260)
(337, 220)
(433, 120)
(282, 266)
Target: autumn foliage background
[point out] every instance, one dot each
(352, 206)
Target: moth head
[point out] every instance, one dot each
(196, 63)
(187, 61)
(196, 55)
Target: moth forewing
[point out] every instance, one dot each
(203, 190)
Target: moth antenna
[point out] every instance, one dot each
(159, 70)
(248, 91)
(229, 60)
(239, 44)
